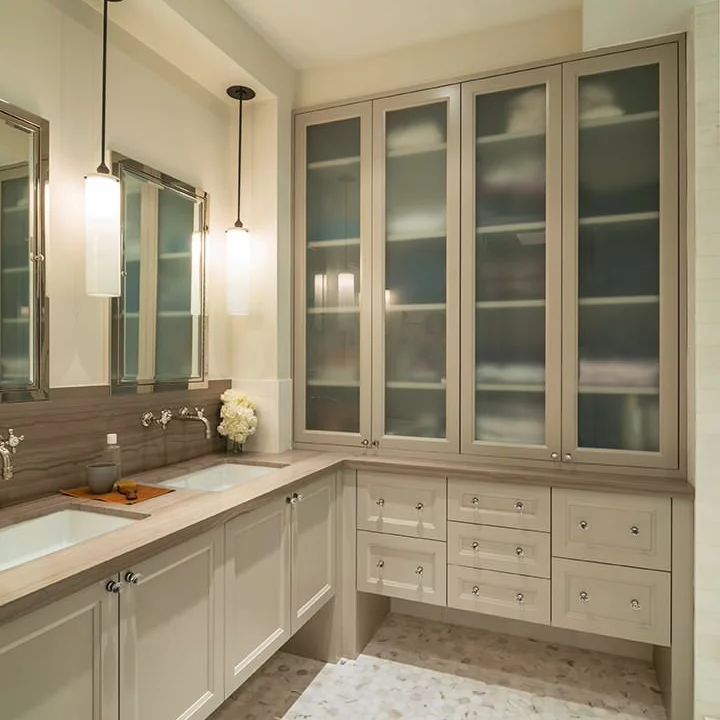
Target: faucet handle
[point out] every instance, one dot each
(14, 440)
(200, 412)
(184, 411)
(165, 417)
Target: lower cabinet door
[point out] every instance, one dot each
(257, 589)
(171, 633)
(610, 600)
(61, 661)
(500, 594)
(401, 567)
(314, 544)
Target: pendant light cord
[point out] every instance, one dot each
(238, 222)
(102, 167)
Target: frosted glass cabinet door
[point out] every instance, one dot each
(415, 270)
(620, 307)
(511, 265)
(332, 300)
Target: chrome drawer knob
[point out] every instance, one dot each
(584, 596)
(419, 570)
(583, 525)
(365, 443)
(381, 563)
(419, 507)
(133, 578)
(520, 598)
(634, 530)
(568, 457)
(380, 502)
(635, 604)
(519, 551)
(519, 506)
(114, 587)
(476, 501)
(554, 455)
(475, 545)
(476, 590)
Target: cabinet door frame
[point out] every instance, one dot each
(666, 57)
(363, 111)
(551, 77)
(238, 670)
(449, 94)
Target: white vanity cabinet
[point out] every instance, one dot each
(171, 633)
(61, 661)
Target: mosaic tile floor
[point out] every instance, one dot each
(431, 671)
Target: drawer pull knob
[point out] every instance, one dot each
(381, 563)
(380, 502)
(583, 524)
(476, 501)
(635, 604)
(476, 590)
(133, 578)
(475, 545)
(568, 457)
(520, 598)
(554, 455)
(519, 506)
(419, 570)
(419, 507)
(634, 530)
(114, 587)
(584, 596)
(519, 551)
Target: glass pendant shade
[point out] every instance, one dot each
(103, 242)
(238, 264)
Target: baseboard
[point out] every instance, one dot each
(543, 633)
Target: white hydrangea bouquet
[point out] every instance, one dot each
(238, 420)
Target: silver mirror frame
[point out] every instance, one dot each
(118, 386)
(40, 129)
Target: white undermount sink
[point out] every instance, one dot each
(220, 477)
(31, 539)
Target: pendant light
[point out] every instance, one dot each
(238, 261)
(103, 243)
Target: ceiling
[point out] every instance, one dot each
(311, 33)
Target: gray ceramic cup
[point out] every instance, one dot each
(101, 477)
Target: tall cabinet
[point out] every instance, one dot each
(500, 281)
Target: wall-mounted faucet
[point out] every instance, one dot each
(185, 414)
(8, 447)
(148, 418)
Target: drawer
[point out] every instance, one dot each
(402, 504)
(408, 568)
(503, 504)
(613, 528)
(609, 600)
(522, 552)
(496, 593)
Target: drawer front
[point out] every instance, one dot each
(495, 593)
(408, 568)
(613, 528)
(609, 600)
(522, 552)
(503, 504)
(402, 504)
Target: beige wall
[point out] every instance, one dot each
(442, 61)
(706, 318)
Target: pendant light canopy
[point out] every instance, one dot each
(103, 242)
(238, 241)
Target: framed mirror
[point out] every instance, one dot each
(159, 323)
(24, 171)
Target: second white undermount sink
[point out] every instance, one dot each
(40, 536)
(220, 477)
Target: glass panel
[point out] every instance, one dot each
(415, 271)
(333, 277)
(510, 260)
(618, 260)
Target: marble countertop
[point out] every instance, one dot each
(167, 520)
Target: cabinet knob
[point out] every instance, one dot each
(475, 545)
(635, 604)
(519, 551)
(113, 586)
(554, 455)
(583, 524)
(584, 596)
(476, 590)
(568, 456)
(133, 578)
(519, 598)
(476, 501)
(634, 530)
(519, 506)
(419, 570)
(299, 497)
(380, 502)
(381, 563)
(295, 498)
(419, 506)
(365, 443)
(376, 443)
